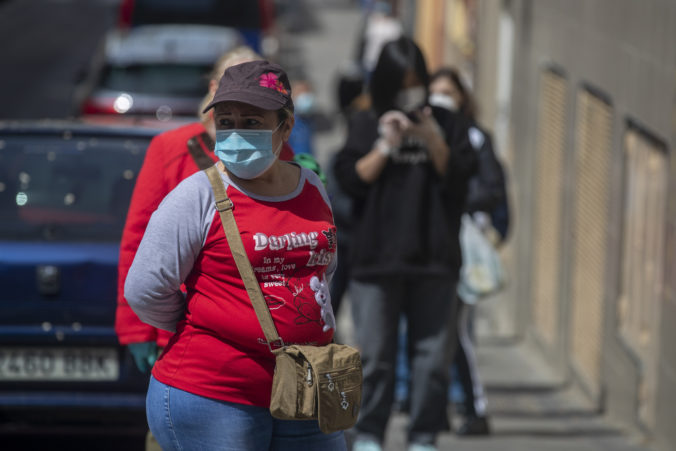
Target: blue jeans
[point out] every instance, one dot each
(182, 421)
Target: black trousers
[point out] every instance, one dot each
(466, 364)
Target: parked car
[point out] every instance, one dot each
(255, 19)
(64, 192)
(160, 71)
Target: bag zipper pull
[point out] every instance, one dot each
(344, 403)
(331, 384)
(308, 379)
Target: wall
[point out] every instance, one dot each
(617, 60)
(583, 108)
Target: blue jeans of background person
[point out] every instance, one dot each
(401, 373)
(183, 421)
(428, 304)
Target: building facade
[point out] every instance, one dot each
(581, 99)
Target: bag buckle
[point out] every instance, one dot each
(278, 341)
(224, 204)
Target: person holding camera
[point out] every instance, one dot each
(406, 165)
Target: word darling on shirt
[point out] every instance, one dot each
(291, 241)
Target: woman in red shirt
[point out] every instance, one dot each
(211, 386)
(171, 157)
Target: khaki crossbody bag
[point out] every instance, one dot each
(320, 383)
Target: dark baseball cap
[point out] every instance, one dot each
(259, 83)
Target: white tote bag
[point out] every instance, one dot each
(481, 273)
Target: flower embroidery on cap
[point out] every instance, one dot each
(270, 80)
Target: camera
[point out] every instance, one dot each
(413, 115)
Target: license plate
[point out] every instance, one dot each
(59, 364)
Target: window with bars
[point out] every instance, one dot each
(547, 208)
(643, 241)
(593, 155)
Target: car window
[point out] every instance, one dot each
(75, 189)
(174, 80)
(241, 14)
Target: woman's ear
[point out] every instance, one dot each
(287, 126)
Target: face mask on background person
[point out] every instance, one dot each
(246, 153)
(410, 99)
(304, 103)
(443, 101)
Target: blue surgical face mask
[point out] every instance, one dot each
(246, 153)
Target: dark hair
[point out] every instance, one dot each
(468, 107)
(395, 60)
(285, 113)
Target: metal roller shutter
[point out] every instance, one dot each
(646, 182)
(592, 188)
(547, 214)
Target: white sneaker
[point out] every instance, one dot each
(366, 445)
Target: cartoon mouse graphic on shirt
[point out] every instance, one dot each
(304, 304)
(323, 298)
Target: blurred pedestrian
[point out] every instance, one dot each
(171, 157)
(488, 190)
(344, 219)
(211, 385)
(380, 25)
(487, 197)
(406, 165)
(301, 139)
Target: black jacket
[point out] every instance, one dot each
(406, 222)
(488, 187)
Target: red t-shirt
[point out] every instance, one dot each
(219, 349)
(166, 164)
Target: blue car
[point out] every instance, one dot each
(64, 192)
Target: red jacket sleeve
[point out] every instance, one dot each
(149, 191)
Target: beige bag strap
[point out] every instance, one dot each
(224, 207)
(199, 156)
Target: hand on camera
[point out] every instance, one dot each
(391, 128)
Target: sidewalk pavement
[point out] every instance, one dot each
(529, 409)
